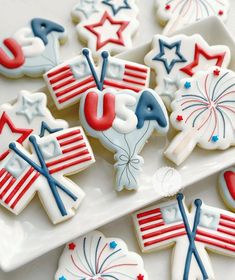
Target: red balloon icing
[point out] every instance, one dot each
(229, 177)
(16, 50)
(90, 111)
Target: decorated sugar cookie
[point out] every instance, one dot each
(106, 24)
(227, 187)
(191, 234)
(95, 257)
(123, 121)
(176, 14)
(56, 151)
(70, 80)
(32, 50)
(173, 58)
(204, 112)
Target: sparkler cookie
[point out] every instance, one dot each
(227, 187)
(204, 112)
(32, 50)
(176, 14)
(56, 151)
(192, 234)
(173, 58)
(106, 24)
(93, 256)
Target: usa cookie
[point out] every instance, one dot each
(227, 187)
(181, 56)
(204, 112)
(176, 14)
(192, 234)
(93, 256)
(106, 24)
(70, 80)
(56, 151)
(32, 50)
(123, 121)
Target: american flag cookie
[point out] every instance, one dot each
(106, 24)
(55, 151)
(176, 14)
(32, 50)
(191, 234)
(204, 113)
(181, 56)
(70, 80)
(95, 257)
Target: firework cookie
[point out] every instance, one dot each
(176, 14)
(173, 58)
(227, 187)
(32, 50)
(93, 256)
(70, 80)
(56, 151)
(123, 121)
(106, 24)
(204, 112)
(192, 234)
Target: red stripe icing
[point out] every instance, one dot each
(152, 226)
(62, 84)
(214, 243)
(162, 231)
(68, 134)
(150, 219)
(60, 70)
(61, 77)
(158, 240)
(136, 68)
(76, 147)
(133, 74)
(70, 141)
(147, 213)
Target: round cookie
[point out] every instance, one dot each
(93, 256)
(181, 56)
(227, 187)
(204, 112)
(32, 50)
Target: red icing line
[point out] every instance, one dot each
(162, 231)
(226, 224)
(65, 83)
(5, 179)
(62, 76)
(2, 172)
(117, 85)
(62, 100)
(133, 74)
(188, 69)
(228, 218)
(178, 234)
(226, 231)
(70, 141)
(133, 82)
(55, 162)
(76, 147)
(136, 68)
(17, 52)
(68, 134)
(19, 185)
(214, 243)
(147, 213)
(152, 226)
(69, 165)
(216, 237)
(229, 177)
(60, 70)
(11, 183)
(90, 111)
(106, 16)
(150, 219)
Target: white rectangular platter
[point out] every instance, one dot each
(31, 234)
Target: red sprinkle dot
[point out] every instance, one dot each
(220, 12)
(140, 277)
(179, 118)
(216, 72)
(167, 7)
(71, 246)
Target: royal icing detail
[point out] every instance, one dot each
(106, 24)
(95, 257)
(208, 112)
(123, 121)
(70, 80)
(55, 152)
(191, 233)
(181, 56)
(176, 14)
(227, 187)
(32, 50)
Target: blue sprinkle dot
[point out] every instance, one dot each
(112, 245)
(214, 138)
(62, 278)
(187, 85)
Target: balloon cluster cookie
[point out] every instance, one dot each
(93, 256)
(204, 112)
(181, 56)
(32, 50)
(55, 151)
(176, 14)
(106, 24)
(227, 187)
(192, 234)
